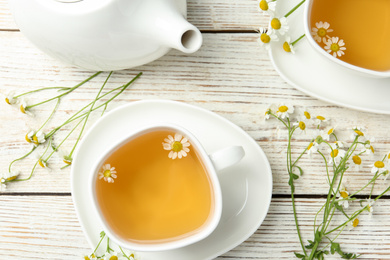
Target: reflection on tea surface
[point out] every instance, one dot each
(151, 197)
(364, 27)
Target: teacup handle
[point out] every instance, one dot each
(227, 157)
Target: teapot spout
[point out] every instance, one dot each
(168, 26)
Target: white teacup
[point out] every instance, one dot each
(356, 69)
(211, 163)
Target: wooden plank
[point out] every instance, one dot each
(46, 227)
(207, 15)
(230, 75)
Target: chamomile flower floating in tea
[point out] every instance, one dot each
(335, 46)
(178, 146)
(321, 31)
(108, 173)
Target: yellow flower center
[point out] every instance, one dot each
(358, 132)
(321, 32)
(276, 24)
(307, 115)
(86, 258)
(379, 164)
(355, 222)
(283, 109)
(310, 146)
(22, 109)
(177, 146)
(7, 101)
(334, 47)
(344, 194)
(388, 156)
(107, 173)
(263, 5)
(67, 162)
(27, 138)
(372, 149)
(286, 47)
(330, 131)
(41, 163)
(356, 159)
(12, 178)
(265, 38)
(114, 257)
(334, 153)
(302, 125)
(35, 140)
(320, 118)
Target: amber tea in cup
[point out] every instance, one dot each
(146, 196)
(157, 188)
(362, 27)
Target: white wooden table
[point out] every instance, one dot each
(229, 75)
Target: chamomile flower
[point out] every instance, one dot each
(379, 167)
(368, 148)
(300, 126)
(22, 106)
(353, 223)
(114, 256)
(10, 176)
(39, 138)
(337, 144)
(269, 110)
(266, 6)
(91, 257)
(3, 187)
(356, 162)
(10, 98)
(321, 31)
(358, 132)
(29, 136)
(320, 120)
(284, 111)
(342, 196)
(335, 46)
(336, 155)
(42, 163)
(178, 146)
(369, 204)
(287, 46)
(329, 131)
(265, 37)
(280, 25)
(107, 173)
(311, 148)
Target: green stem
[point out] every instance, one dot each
(297, 40)
(87, 116)
(35, 165)
(41, 89)
(295, 8)
(99, 244)
(52, 113)
(18, 159)
(63, 94)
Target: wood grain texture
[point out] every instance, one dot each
(46, 227)
(209, 15)
(230, 75)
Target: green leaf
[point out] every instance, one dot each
(102, 234)
(300, 170)
(294, 176)
(335, 248)
(310, 245)
(300, 256)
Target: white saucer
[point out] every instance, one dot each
(246, 187)
(313, 74)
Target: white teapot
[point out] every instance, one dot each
(106, 34)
